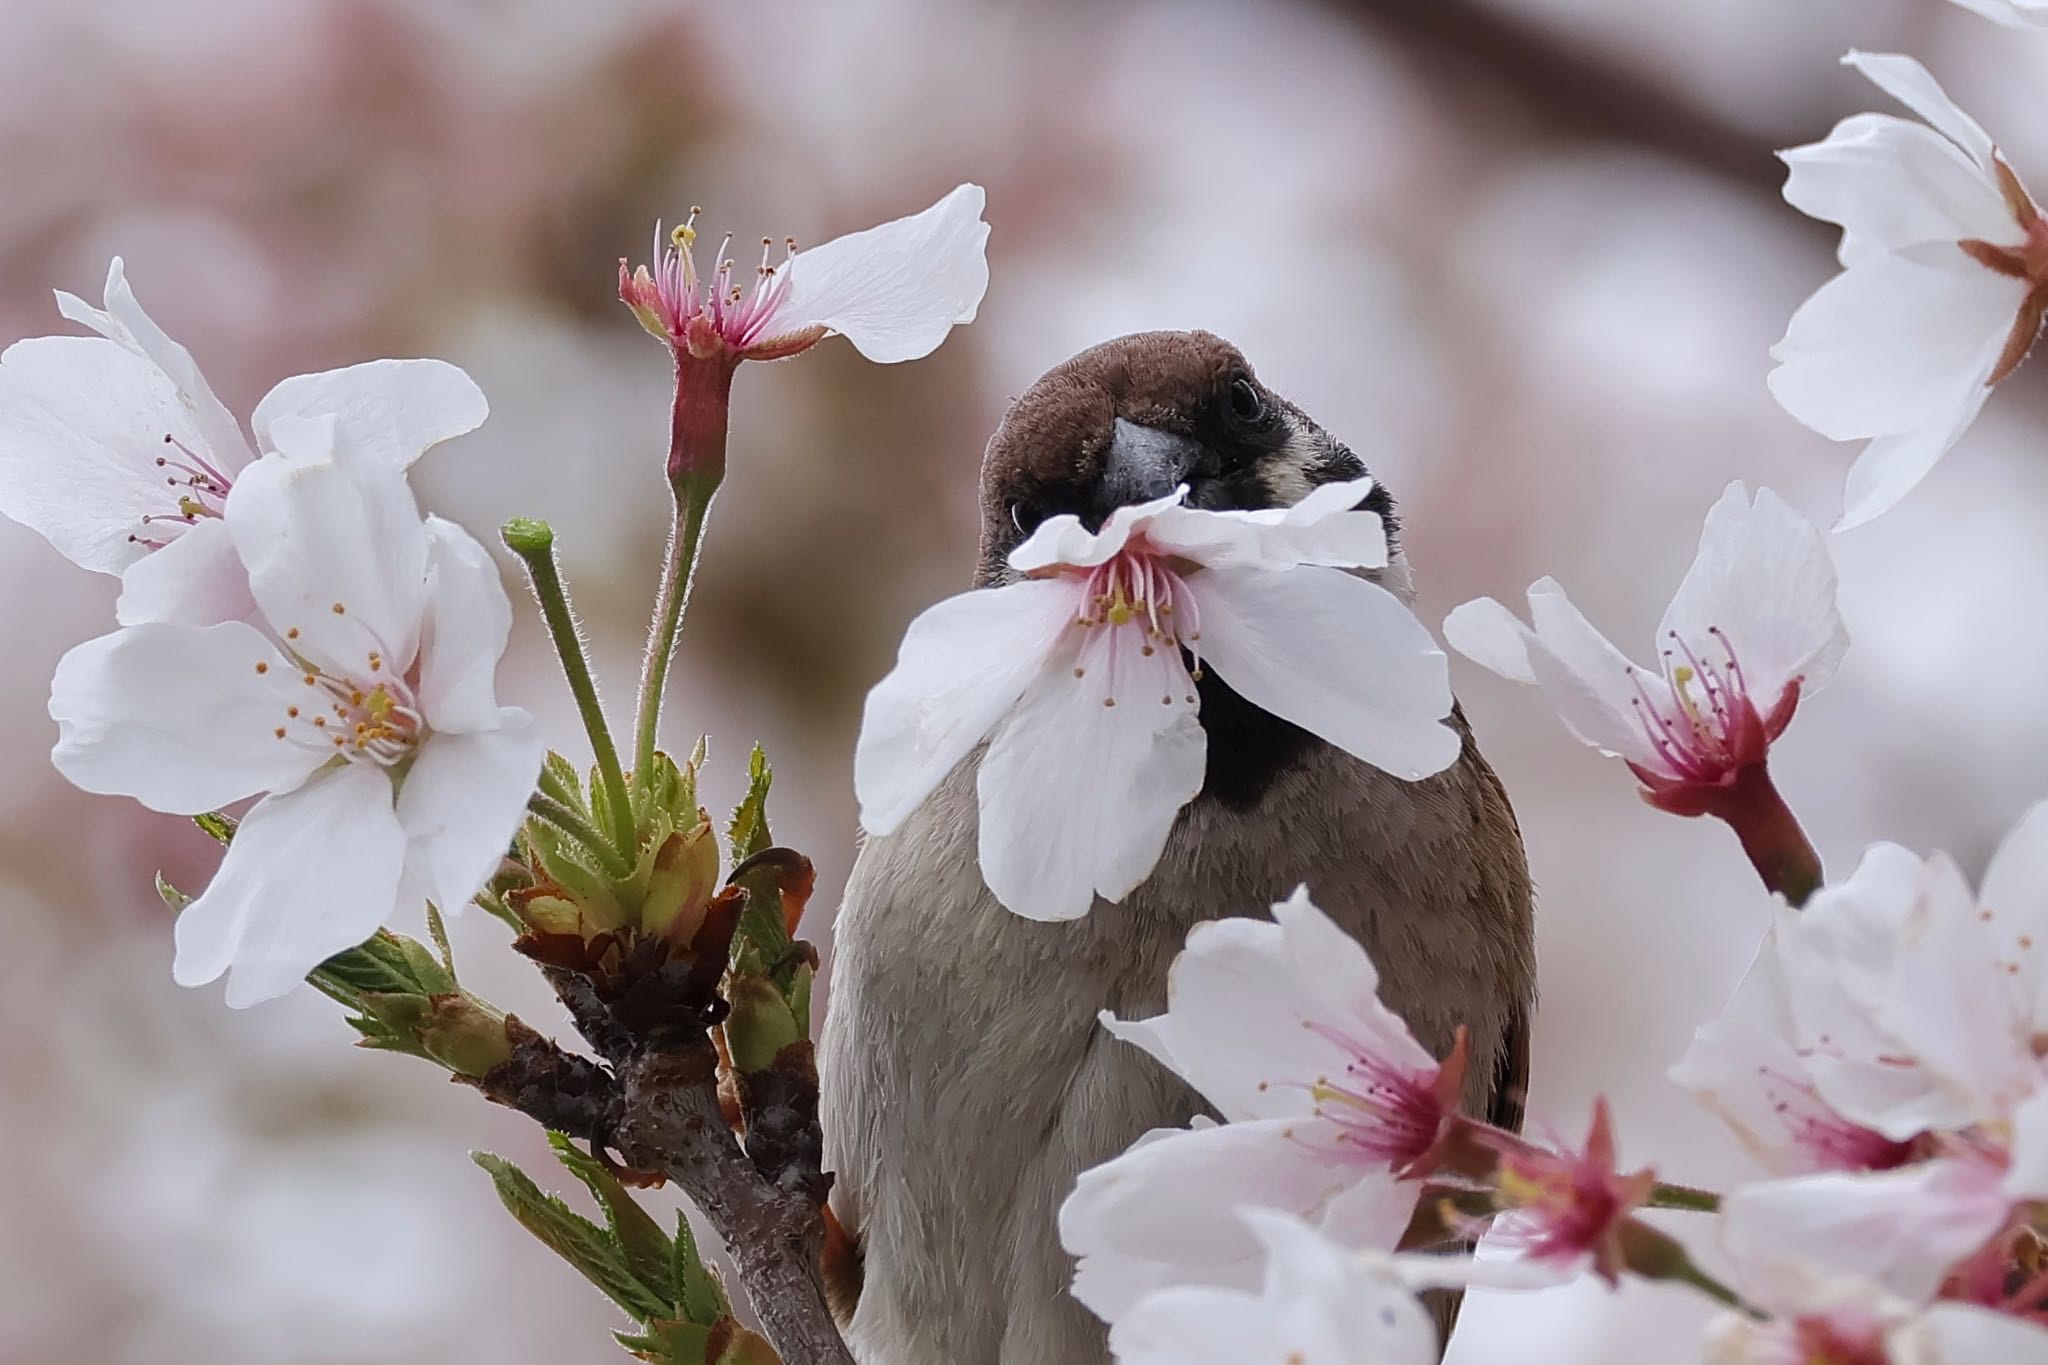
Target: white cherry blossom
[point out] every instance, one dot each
(362, 711)
(1325, 1094)
(115, 450)
(1943, 288)
(1078, 677)
(1752, 629)
(1813, 1316)
(894, 291)
(1317, 1304)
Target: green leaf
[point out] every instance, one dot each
(172, 896)
(637, 1234)
(592, 1250)
(559, 779)
(221, 827)
(384, 964)
(698, 1295)
(437, 928)
(670, 1343)
(589, 886)
(748, 832)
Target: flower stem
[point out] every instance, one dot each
(1770, 833)
(1653, 1255)
(534, 543)
(1684, 1197)
(696, 466)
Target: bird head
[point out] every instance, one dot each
(1133, 419)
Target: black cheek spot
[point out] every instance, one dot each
(1248, 747)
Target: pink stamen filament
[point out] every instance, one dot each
(1699, 740)
(1136, 589)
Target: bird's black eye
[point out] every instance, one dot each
(1025, 517)
(1247, 404)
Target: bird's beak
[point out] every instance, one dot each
(1145, 463)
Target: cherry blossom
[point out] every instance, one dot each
(1943, 288)
(1081, 678)
(1815, 1318)
(1317, 1304)
(1325, 1094)
(1569, 1205)
(1749, 1068)
(115, 449)
(894, 291)
(362, 710)
(1752, 630)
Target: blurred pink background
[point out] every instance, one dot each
(1527, 256)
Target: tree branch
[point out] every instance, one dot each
(672, 1123)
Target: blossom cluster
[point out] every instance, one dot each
(1883, 1059)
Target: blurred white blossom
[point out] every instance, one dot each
(1943, 289)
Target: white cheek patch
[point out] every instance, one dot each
(1286, 472)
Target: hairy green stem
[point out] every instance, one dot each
(693, 505)
(534, 543)
(1684, 1197)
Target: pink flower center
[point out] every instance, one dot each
(1841, 1338)
(1829, 1141)
(701, 313)
(372, 718)
(1385, 1114)
(1709, 726)
(1144, 607)
(198, 489)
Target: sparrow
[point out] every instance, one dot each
(965, 1080)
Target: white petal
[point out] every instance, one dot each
(1152, 1036)
(124, 322)
(1763, 577)
(1739, 1065)
(1064, 540)
(468, 620)
(1592, 685)
(2011, 13)
(1908, 82)
(1078, 796)
(1340, 983)
(390, 410)
(1838, 955)
(1493, 637)
(2015, 895)
(1336, 655)
(1369, 1315)
(1893, 184)
(1902, 1229)
(1198, 1325)
(196, 580)
(894, 291)
(963, 664)
(178, 717)
(335, 549)
(308, 874)
(1238, 1005)
(462, 801)
(2027, 1177)
(82, 425)
(1326, 527)
(1138, 1207)
(1895, 343)
(1892, 466)
(1964, 1334)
